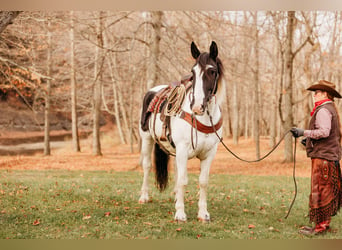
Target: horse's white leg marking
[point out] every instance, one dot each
(182, 180)
(175, 175)
(146, 150)
(203, 213)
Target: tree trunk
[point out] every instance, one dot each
(6, 18)
(97, 87)
(235, 112)
(153, 68)
(74, 122)
(288, 86)
(116, 101)
(274, 105)
(235, 106)
(256, 92)
(47, 150)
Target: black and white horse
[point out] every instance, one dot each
(191, 130)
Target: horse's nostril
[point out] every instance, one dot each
(198, 110)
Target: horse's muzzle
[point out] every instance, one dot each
(198, 110)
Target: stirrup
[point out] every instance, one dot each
(163, 135)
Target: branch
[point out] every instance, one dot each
(308, 39)
(6, 18)
(5, 60)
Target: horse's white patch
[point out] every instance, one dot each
(198, 88)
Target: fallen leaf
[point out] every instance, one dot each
(87, 217)
(107, 214)
(179, 229)
(251, 226)
(36, 222)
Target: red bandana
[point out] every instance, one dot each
(318, 104)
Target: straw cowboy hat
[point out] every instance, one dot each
(326, 86)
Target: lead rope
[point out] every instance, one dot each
(262, 158)
(192, 131)
(294, 178)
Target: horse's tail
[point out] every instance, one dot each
(161, 160)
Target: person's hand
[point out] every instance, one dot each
(297, 132)
(303, 141)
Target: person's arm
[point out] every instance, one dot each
(322, 125)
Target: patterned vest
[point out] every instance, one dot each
(328, 148)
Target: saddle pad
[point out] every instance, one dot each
(157, 101)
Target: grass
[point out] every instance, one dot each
(62, 204)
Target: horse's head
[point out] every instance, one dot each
(207, 73)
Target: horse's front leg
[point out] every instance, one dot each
(203, 214)
(181, 182)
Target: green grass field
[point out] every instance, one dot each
(62, 204)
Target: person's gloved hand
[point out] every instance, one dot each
(303, 141)
(297, 132)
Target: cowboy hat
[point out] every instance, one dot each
(325, 86)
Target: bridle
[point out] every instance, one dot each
(211, 94)
(193, 121)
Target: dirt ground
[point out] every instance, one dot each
(118, 157)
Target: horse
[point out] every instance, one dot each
(193, 132)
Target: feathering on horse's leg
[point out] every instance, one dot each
(182, 181)
(146, 151)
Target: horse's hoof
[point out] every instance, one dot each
(143, 200)
(180, 217)
(204, 220)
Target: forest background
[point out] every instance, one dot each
(89, 68)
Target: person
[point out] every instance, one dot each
(323, 146)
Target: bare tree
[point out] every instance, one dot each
(153, 69)
(256, 89)
(47, 150)
(99, 60)
(74, 119)
(235, 105)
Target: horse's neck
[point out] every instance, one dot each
(213, 110)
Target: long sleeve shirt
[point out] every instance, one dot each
(322, 125)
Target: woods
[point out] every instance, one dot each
(93, 68)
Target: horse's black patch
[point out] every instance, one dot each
(145, 114)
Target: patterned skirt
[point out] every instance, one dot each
(326, 193)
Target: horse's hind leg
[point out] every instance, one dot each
(146, 150)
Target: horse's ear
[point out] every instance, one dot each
(194, 51)
(213, 50)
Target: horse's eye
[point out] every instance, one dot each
(212, 72)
